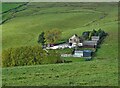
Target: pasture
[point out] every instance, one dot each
(70, 18)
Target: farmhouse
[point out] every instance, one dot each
(75, 40)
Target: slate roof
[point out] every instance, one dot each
(95, 38)
(90, 43)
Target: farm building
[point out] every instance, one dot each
(95, 38)
(60, 46)
(90, 44)
(78, 53)
(75, 40)
(82, 53)
(87, 53)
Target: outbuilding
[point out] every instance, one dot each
(78, 53)
(90, 44)
(95, 38)
(87, 53)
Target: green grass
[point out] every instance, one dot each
(34, 24)
(77, 73)
(44, 22)
(73, 59)
(70, 18)
(9, 5)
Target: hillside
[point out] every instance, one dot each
(84, 73)
(29, 20)
(69, 17)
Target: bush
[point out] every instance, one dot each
(28, 55)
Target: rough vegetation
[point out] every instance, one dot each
(28, 56)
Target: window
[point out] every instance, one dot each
(70, 39)
(75, 40)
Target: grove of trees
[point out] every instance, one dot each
(89, 34)
(28, 55)
(49, 36)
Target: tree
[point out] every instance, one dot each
(41, 39)
(51, 36)
(92, 33)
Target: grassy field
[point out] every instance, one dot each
(70, 18)
(27, 24)
(72, 74)
(9, 5)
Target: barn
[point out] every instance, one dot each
(78, 53)
(90, 44)
(95, 38)
(82, 53)
(87, 53)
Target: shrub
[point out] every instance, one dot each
(28, 55)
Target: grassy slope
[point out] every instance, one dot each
(9, 5)
(27, 31)
(84, 73)
(24, 30)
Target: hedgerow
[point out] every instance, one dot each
(28, 55)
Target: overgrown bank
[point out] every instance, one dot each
(28, 55)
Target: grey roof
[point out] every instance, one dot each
(90, 43)
(79, 51)
(87, 50)
(95, 38)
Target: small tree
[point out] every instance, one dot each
(92, 33)
(51, 36)
(41, 39)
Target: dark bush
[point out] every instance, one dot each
(28, 55)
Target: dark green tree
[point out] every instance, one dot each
(41, 39)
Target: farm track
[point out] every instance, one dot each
(13, 11)
(15, 8)
(70, 11)
(94, 21)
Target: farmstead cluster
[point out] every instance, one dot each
(83, 46)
